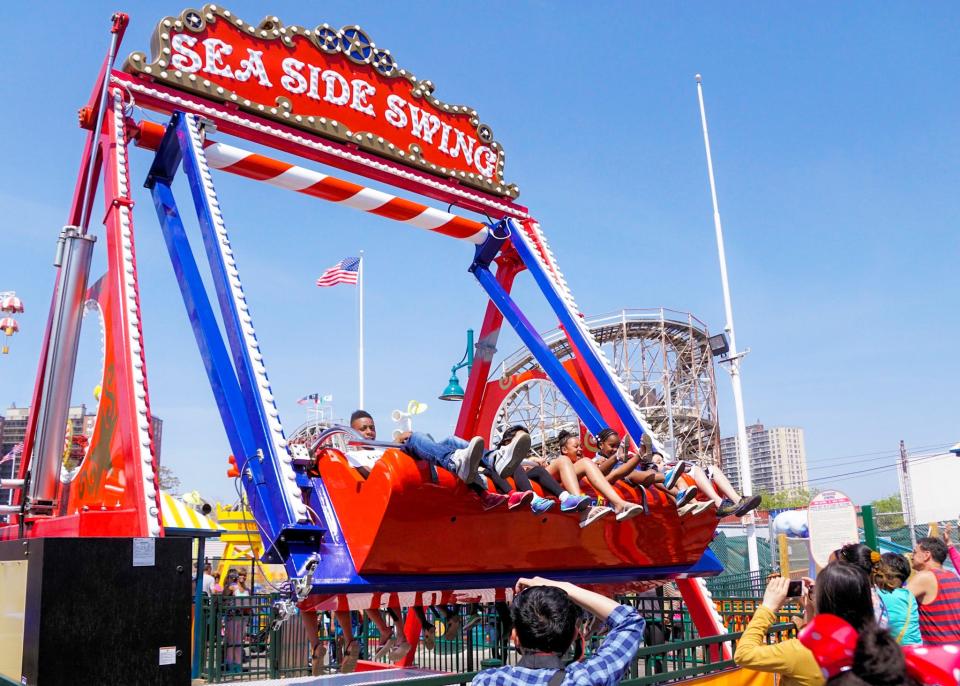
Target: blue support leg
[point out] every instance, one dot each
(285, 538)
(551, 366)
(216, 360)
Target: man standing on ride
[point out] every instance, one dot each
(937, 592)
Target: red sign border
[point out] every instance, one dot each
(271, 28)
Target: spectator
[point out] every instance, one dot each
(236, 622)
(904, 619)
(876, 658)
(841, 589)
(937, 591)
(951, 549)
(868, 560)
(544, 616)
(208, 581)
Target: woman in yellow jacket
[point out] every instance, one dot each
(841, 589)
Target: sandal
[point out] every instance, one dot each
(385, 647)
(350, 656)
(317, 655)
(399, 651)
(629, 512)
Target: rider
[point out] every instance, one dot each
(615, 467)
(713, 483)
(459, 457)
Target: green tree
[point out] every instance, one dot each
(169, 481)
(890, 504)
(784, 500)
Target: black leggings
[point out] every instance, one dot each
(522, 478)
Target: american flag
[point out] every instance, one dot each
(13, 454)
(345, 271)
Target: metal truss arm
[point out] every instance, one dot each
(531, 338)
(586, 347)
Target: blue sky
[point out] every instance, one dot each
(835, 145)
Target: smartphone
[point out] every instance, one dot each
(795, 589)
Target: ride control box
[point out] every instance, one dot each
(96, 611)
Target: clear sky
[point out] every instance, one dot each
(835, 145)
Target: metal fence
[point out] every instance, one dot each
(242, 641)
(742, 585)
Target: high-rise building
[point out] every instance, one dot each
(13, 428)
(778, 458)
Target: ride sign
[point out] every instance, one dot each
(335, 83)
(832, 519)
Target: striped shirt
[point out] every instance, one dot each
(940, 620)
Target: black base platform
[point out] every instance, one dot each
(100, 611)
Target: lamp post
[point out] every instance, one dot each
(454, 391)
(733, 358)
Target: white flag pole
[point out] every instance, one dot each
(360, 347)
(734, 358)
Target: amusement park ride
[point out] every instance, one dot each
(326, 96)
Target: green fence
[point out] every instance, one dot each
(243, 641)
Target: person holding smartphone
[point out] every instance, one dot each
(545, 615)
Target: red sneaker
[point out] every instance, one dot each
(492, 500)
(519, 499)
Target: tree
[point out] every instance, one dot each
(169, 481)
(891, 503)
(785, 500)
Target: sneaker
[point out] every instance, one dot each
(519, 498)
(670, 478)
(594, 514)
(747, 504)
(570, 502)
(686, 495)
(453, 628)
(467, 460)
(728, 507)
(541, 505)
(629, 512)
(509, 459)
(492, 500)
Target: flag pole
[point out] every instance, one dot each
(360, 350)
(733, 358)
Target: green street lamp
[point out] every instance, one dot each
(454, 391)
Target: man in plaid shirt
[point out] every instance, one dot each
(545, 617)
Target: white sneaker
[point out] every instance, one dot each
(510, 457)
(468, 459)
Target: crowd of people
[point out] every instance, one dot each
(860, 613)
(505, 476)
(883, 601)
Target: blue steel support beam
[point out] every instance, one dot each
(230, 315)
(575, 334)
(284, 538)
(551, 366)
(216, 360)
